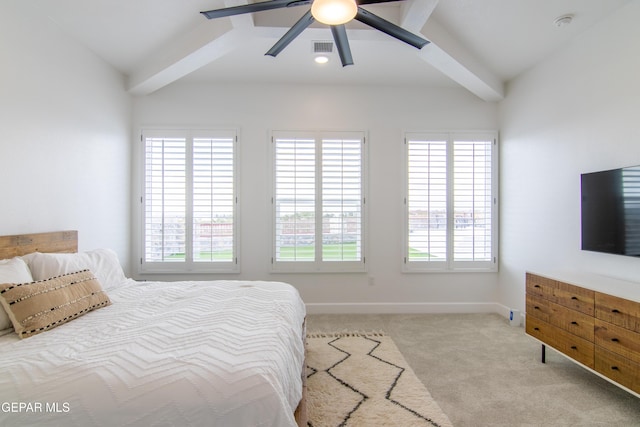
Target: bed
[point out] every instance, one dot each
(216, 353)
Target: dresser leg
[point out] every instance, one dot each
(543, 353)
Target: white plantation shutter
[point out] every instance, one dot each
(318, 201)
(189, 201)
(295, 198)
(341, 199)
(165, 199)
(213, 199)
(472, 200)
(427, 200)
(451, 202)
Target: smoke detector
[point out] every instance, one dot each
(563, 20)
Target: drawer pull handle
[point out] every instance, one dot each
(574, 298)
(536, 286)
(615, 368)
(615, 310)
(573, 347)
(574, 323)
(536, 307)
(615, 340)
(536, 329)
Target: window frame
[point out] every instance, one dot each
(318, 265)
(450, 265)
(189, 266)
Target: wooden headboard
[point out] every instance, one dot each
(22, 244)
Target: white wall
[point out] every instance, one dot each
(384, 112)
(65, 131)
(65, 123)
(576, 112)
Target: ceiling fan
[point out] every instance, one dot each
(335, 13)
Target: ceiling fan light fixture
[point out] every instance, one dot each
(334, 12)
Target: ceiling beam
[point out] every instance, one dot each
(211, 40)
(449, 56)
(183, 56)
(415, 13)
(206, 43)
(240, 21)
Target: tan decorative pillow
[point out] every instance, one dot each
(39, 306)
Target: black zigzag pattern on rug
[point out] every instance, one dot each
(363, 396)
(342, 382)
(395, 382)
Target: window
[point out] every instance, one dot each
(318, 201)
(189, 201)
(451, 202)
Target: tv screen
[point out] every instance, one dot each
(611, 211)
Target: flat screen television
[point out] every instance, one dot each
(610, 211)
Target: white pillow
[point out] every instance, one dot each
(103, 263)
(12, 270)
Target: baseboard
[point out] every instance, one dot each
(405, 308)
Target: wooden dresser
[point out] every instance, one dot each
(585, 321)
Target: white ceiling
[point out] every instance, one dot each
(478, 44)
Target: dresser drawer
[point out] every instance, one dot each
(575, 322)
(619, 311)
(618, 368)
(575, 347)
(540, 286)
(618, 340)
(562, 293)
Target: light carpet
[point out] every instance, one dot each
(362, 379)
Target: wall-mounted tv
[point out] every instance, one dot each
(611, 211)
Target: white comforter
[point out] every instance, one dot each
(223, 353)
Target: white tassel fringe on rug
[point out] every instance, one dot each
(361, 379)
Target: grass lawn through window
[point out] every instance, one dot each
(330, 252)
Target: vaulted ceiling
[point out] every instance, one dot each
(476, 44)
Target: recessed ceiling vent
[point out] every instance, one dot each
(322, 46)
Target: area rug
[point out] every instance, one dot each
(362, 379)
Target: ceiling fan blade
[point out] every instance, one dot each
(390, 28)
(306, 20)
(342, 43)
(253, 7)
